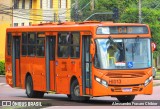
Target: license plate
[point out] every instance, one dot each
(127, 89)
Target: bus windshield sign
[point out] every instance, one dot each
(122, 30)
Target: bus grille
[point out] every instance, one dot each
(118, 89)
(125, 75)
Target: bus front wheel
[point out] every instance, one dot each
(75, 92)
(29, 89)
(126, 98)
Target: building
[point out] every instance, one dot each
(5, 22)
(28, 12)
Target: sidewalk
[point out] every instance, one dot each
(156, 82)
(2, 79)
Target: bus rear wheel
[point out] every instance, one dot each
(75, 92)
(29, 89)
(126, 98)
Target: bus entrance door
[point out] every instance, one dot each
(50, 63)
(86, 65)
(16, 62)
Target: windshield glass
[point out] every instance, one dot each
(123, 53)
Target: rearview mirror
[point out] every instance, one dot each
(153, 45)
(92, 48)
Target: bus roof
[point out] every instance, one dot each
(65, 26)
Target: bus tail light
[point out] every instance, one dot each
(101, 81)
(148, 81)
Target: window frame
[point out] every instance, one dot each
(23, 4)
(40, 44)
(9, 42)
(25, 44)
(30, 4)
(69, 45)
(51, 3)
(58, 45)
(40, 4)
(35, 44)
(31, 44)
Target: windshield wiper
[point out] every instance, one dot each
(117, 44)
(135, 44)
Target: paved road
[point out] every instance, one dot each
(60, 100)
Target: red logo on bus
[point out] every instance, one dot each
(153, 46)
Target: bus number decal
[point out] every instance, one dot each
(122, 30)
(65, 66)
(119, 30)
(129, 30)
(115, 81)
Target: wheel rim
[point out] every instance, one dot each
(76, 91)
(29, 85)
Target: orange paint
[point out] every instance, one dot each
(63, 69)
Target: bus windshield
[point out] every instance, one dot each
(130, 53)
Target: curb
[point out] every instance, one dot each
(156, 84)
(2, 75)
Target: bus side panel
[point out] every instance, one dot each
(18, 75)
(8, 70)
(76, 71)
(8, 59)
(24, 70)
(39, 74)
(62, 85)
(52, 72)
(62, 78)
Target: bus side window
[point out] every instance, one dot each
(31, 44)
(63, 47)
(9, 42)
(40, 46)
(75, 41)
(24, 44)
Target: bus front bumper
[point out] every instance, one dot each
(100, 90)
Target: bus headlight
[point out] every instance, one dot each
(101, 81)
(104, 83)
(148, 81)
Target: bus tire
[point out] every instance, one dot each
(126, 98)
(75, 92)
(69, 96)
(39, 94)
(29, 88)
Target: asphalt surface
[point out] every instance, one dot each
(61, 101)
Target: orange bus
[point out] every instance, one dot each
(81, 60)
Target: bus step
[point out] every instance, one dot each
(87, 95)
(18, 87)
(53, 92)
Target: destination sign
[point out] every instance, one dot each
(122, 30)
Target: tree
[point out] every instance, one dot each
(128, 12)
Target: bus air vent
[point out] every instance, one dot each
(125, 75)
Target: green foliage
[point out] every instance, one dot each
(128, 13)
(2, 68)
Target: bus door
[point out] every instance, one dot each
(50, 62)
(16, 61)
(86, 65)
(62, 64)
